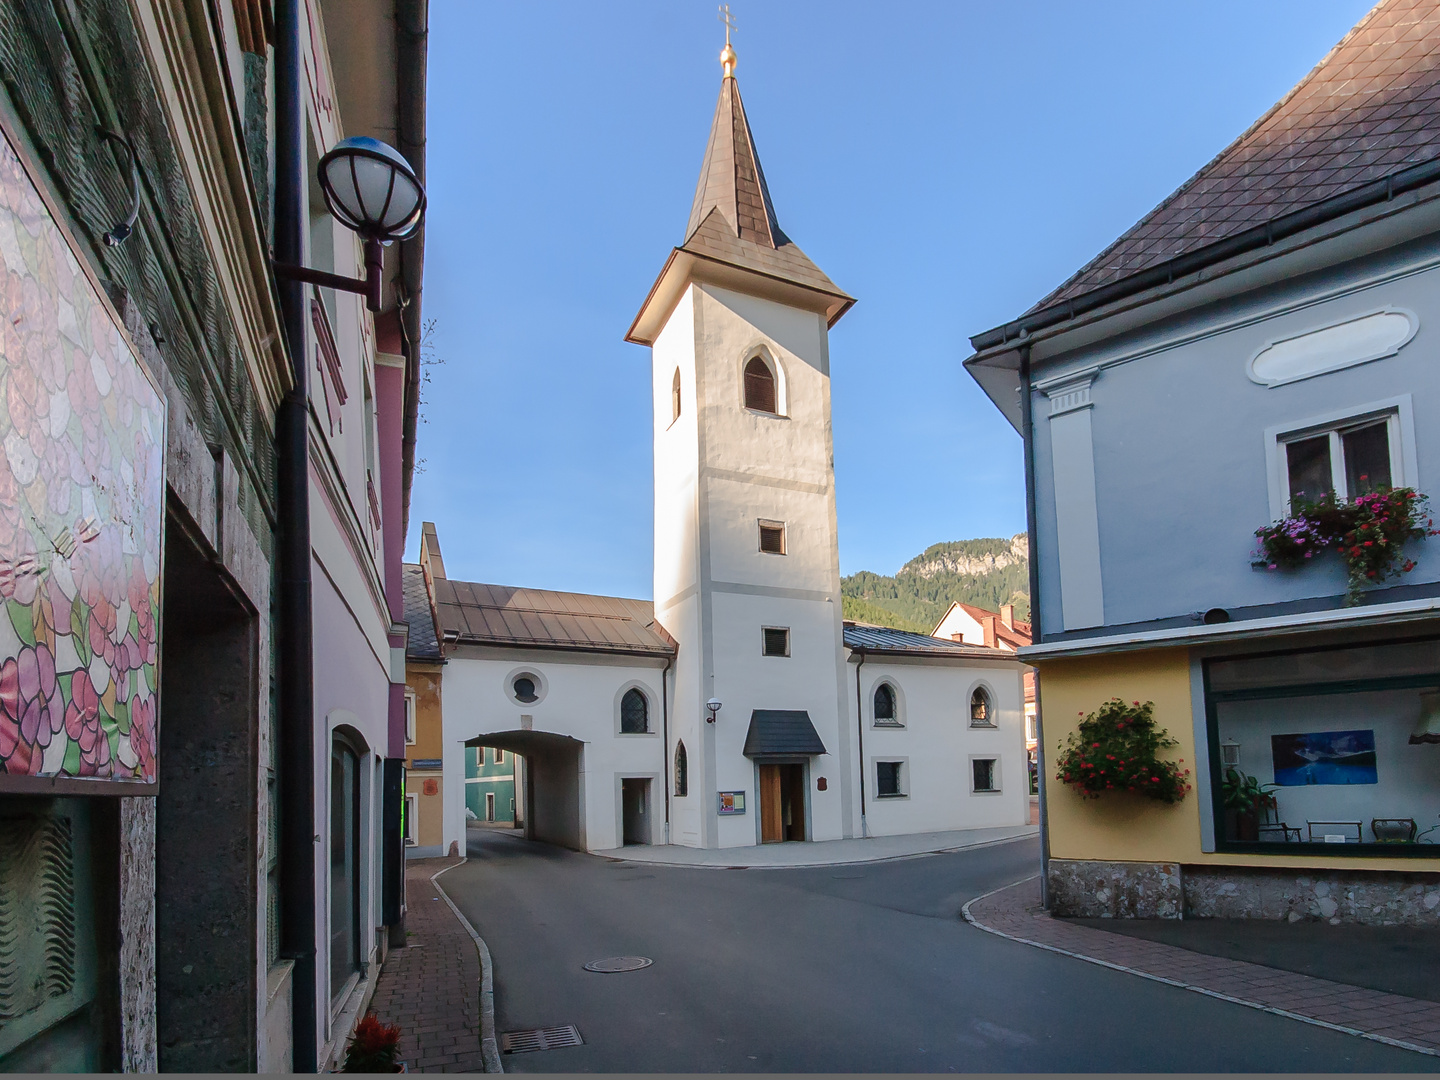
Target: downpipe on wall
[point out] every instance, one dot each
(860, 730)
(296, 629)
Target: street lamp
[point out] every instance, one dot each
(714, 706)
(371, 189)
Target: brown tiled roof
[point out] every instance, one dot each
(1017, 635)
(1370, 108)
(732, 219)
(475, 614)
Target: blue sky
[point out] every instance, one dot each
(946, 163)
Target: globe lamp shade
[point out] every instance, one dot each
(371, 189)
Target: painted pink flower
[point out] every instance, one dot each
(84, 707)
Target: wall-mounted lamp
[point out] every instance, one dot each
(714, 706)
(1428, 729)
(370, 189)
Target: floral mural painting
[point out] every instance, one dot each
(82, 441)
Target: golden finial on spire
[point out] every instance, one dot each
(727, 54)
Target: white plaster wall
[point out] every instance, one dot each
(580, 700)
(957, 621)
(937, 743)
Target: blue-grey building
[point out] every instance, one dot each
(1261, 346)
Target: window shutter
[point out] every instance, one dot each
(759, 386)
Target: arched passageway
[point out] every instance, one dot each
(553, 783)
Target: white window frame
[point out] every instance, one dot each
(1404, 463)
(897, 722)
(410, 717)
(489, 806)
(902, 779)
(991, 722)
(499, 756)
(412, 818)
(771, 655)
(766, 523)
(994, 775)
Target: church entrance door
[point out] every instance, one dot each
(782, 803)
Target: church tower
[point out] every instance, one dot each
(747, 576)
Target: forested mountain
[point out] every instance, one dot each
(986, 573)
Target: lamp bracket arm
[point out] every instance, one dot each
(323, 278)
(117, 235)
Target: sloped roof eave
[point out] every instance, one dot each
(668, 288)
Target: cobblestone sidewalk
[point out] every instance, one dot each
(1015, 913)
(431, 988)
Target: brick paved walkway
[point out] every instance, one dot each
(1015, 913)
(431, 988)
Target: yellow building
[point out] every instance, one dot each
(424, 666)
(1226, 418)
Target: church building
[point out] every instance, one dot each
(733, 710)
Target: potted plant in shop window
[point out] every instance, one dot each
(1245, 801)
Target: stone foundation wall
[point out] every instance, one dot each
(1115, 890)
(1371, 897)
(1136, 890)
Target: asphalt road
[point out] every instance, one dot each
(855, 968)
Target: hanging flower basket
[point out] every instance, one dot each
(1117, 749)
(1369, 533)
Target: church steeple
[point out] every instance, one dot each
(733, 238)
(731, 179)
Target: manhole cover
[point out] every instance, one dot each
(612, 964)
(551, 1038)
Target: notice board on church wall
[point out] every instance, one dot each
(82, 502)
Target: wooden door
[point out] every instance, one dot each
(772, 827)
(795, 802)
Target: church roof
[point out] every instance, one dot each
(732, 231)
(886, 639)
(476, 614)
(1369, 109)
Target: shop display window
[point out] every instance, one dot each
(1337, 747)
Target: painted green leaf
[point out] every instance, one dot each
(79, 631)
(122, 718)
(71, 763)
(64, 681)
(134, 626)
(23, 621)
(150, 678)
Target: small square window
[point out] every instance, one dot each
(889, 779)
(777, 641)
(772, 537)
(984, 775)
(499, 757)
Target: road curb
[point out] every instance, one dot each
(1274, 1011)
(489, 1046)
(818, 866)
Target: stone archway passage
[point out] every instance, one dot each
(554, 809)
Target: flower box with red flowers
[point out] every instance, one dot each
(1117, 749)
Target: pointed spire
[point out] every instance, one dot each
(731, 179)
(732, 237)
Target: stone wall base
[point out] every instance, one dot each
(1135, 890)
(1115, 890)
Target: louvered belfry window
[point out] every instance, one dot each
(759, 386)
(772, 537)
(777, 641)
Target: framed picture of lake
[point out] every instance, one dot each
(1324, 757)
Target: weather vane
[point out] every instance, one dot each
(727, 55)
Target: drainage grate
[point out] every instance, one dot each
(612, 964)
(551, 1038)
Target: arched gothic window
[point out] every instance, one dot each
(682, 771)
(885, 704)
(675, 397)
(980, 711)
(634, 713)
(759, 386)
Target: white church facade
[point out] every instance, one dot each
(738, 708)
